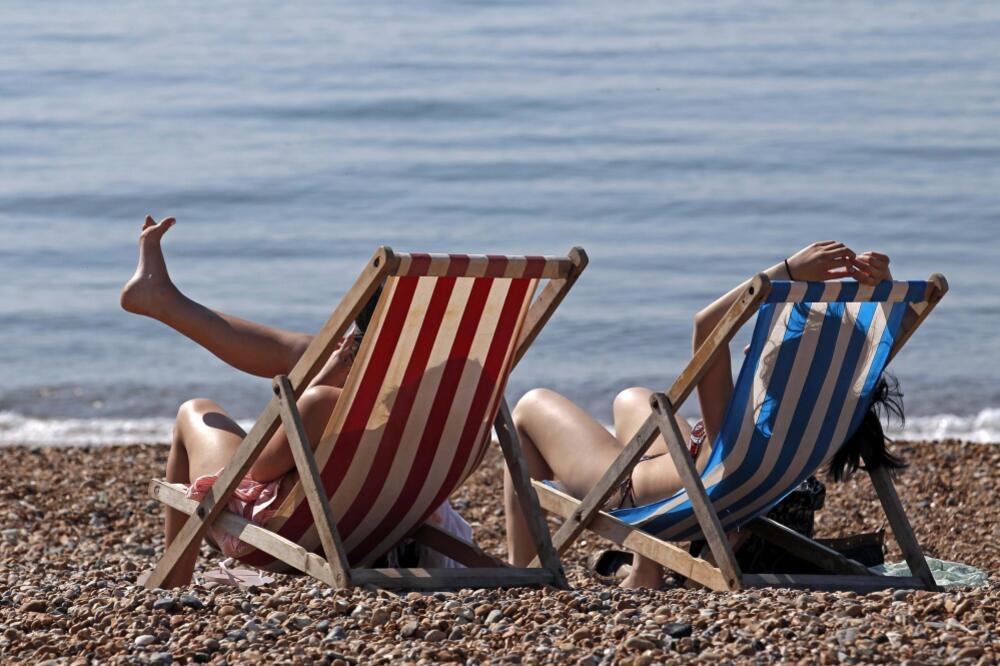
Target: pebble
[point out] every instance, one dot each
(144, 640)
(494, 616)
(677, 629)
(854, 610)
(168, 604)
(409, 630)
(638, 643)
(191, 601)
(33, 606)
(434, 636)
(972, 652)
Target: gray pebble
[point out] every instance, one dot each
(236, 635)
(336, 634)
(168, 604)
(677, 629)
(191, 601)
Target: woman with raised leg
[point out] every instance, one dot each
(205, 437)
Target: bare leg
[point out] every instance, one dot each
(205, 440)
(559, 440)
(245, 345)
(562, 441)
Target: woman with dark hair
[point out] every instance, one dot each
(562, 442)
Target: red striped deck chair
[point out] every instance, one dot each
(816, 353)
(413, 422)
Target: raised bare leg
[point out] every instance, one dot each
(253, 348)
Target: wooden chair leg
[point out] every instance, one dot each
(305, 463)
(901, 528)
(510, 444)
(725, 559)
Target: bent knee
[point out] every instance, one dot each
(318, 398)
(196, 406)
(632, 398)
(533, 401)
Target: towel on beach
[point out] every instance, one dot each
(946, 574)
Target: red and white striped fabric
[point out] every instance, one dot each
(415, 416)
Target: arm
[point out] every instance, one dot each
(824, 260)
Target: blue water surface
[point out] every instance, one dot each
(684, 145)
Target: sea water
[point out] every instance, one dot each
(685, 146)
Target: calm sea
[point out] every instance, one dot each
(684, 145)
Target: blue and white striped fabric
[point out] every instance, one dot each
(817, 351)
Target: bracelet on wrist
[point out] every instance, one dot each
(788, 270)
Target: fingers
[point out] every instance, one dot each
(148, 223)
(862, 274)
(837, 249)
(871, 268)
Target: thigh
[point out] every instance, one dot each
(210, 436)
(574, 445)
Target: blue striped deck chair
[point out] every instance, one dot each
(816, 353)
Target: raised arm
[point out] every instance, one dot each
(823, 260)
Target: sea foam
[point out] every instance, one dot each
(17, 429)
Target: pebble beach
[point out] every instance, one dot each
(78, 530)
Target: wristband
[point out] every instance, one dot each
(789, 271)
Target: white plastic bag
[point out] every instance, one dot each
(446, 518)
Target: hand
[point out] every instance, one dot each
(871, 268)
(823, 260)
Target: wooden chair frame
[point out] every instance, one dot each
(333, 568)
(725, 574)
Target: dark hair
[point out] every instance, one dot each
(368, 311)
(869, 439)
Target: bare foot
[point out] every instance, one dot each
(645, 573)
(145, 292)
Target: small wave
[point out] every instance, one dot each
(17, 429)
(983, 427)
